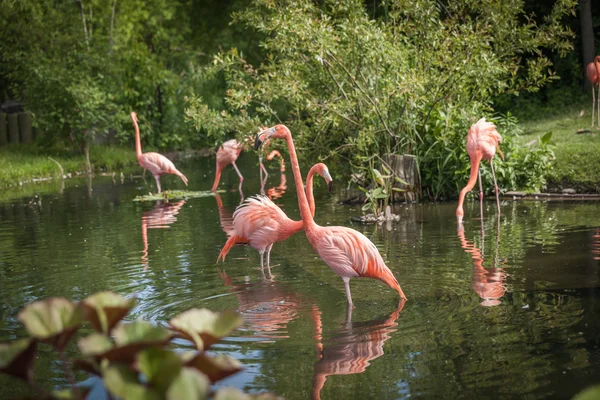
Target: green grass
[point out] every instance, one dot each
(577, 155)
(22, 163)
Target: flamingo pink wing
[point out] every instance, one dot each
(260, 221)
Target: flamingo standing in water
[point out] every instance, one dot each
(156, 163)
(261, 223)
(348, 252)
(593, 73)
(482, 142)
(227, 154)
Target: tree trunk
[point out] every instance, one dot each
(587, 37)
(86, 150)
(404, 167)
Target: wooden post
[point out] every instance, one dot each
(13, 128)
(405, 167)
(3, 130)
(25, 127)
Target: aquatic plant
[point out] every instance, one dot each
(134, 360)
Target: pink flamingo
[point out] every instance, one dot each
(482, 143)
(593, 73)
(261, 223)
(348, 252)
(227, 154)
(277, 191)
(156, 163)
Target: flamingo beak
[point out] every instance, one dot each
(329, 185)
(268, 132)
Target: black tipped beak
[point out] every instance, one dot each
(257, 142)
(329, 186)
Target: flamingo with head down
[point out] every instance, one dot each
(348, 252)
(227, 154)
(259, 222)
(156, 163)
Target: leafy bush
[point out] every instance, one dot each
(411, 81)
(133, 359)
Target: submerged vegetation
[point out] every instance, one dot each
(134, 360)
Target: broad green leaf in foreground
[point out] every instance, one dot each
(160, 367)
(189, 385)
(105, 309)
(204, 327)
(16, 357)
(216, 368)
(123, 383)
(52, 320)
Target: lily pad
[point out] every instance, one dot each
(160, 367)
(216, 368)
(16, 357)
(204, 327)
(131, 338)
(189, 385)
(123, 383)
(176, 195)
(53, 320)
(105, 309)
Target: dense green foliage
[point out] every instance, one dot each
(409, 81)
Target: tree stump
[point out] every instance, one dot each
(3, 130)
(25, 127)
(404, 167)
(13, 128)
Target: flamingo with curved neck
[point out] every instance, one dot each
(259, 222)
(156, 163)
(227, 154)
(349, 253)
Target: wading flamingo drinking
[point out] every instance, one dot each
(156, 163)
(348, 252)
(227, 154)
(593, 73)
(261, 223)
(482, 142)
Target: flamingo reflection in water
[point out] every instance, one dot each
(596, 244)
(225, 217)
(488, 283)
(161, 216)
(266, 306)
(276, 192)
(352, 349)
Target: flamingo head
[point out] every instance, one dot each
(324, 172)
(278, 131)
(134, 117)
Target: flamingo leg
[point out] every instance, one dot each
(593, 102)
(157, 178)
(262, 260)
(598, 105)
(238, 172)
(263, 171)
(495, 187)
(348, 295)
(268, 250)
(480, 196)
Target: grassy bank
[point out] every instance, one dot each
(577, 155)
(22, 163)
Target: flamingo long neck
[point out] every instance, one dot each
(309, 190)
(469, 187)
(307, 217)
(138, 141)
(217, 177)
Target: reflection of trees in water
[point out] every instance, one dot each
(596, 244)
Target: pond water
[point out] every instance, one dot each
(504, 309)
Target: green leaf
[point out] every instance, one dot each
(159, 366)
(16, 357)
(399, 180)
(189, 385)
(377, 176)
(217, 367)
(366, 206)
(123, 382)
(546, 138)
(204, 327)
(105, 309)
(398, 190)
(229, 393)
(131, 338)
(591, 393)
(52, 320)
(94, 344)
(70, 394)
